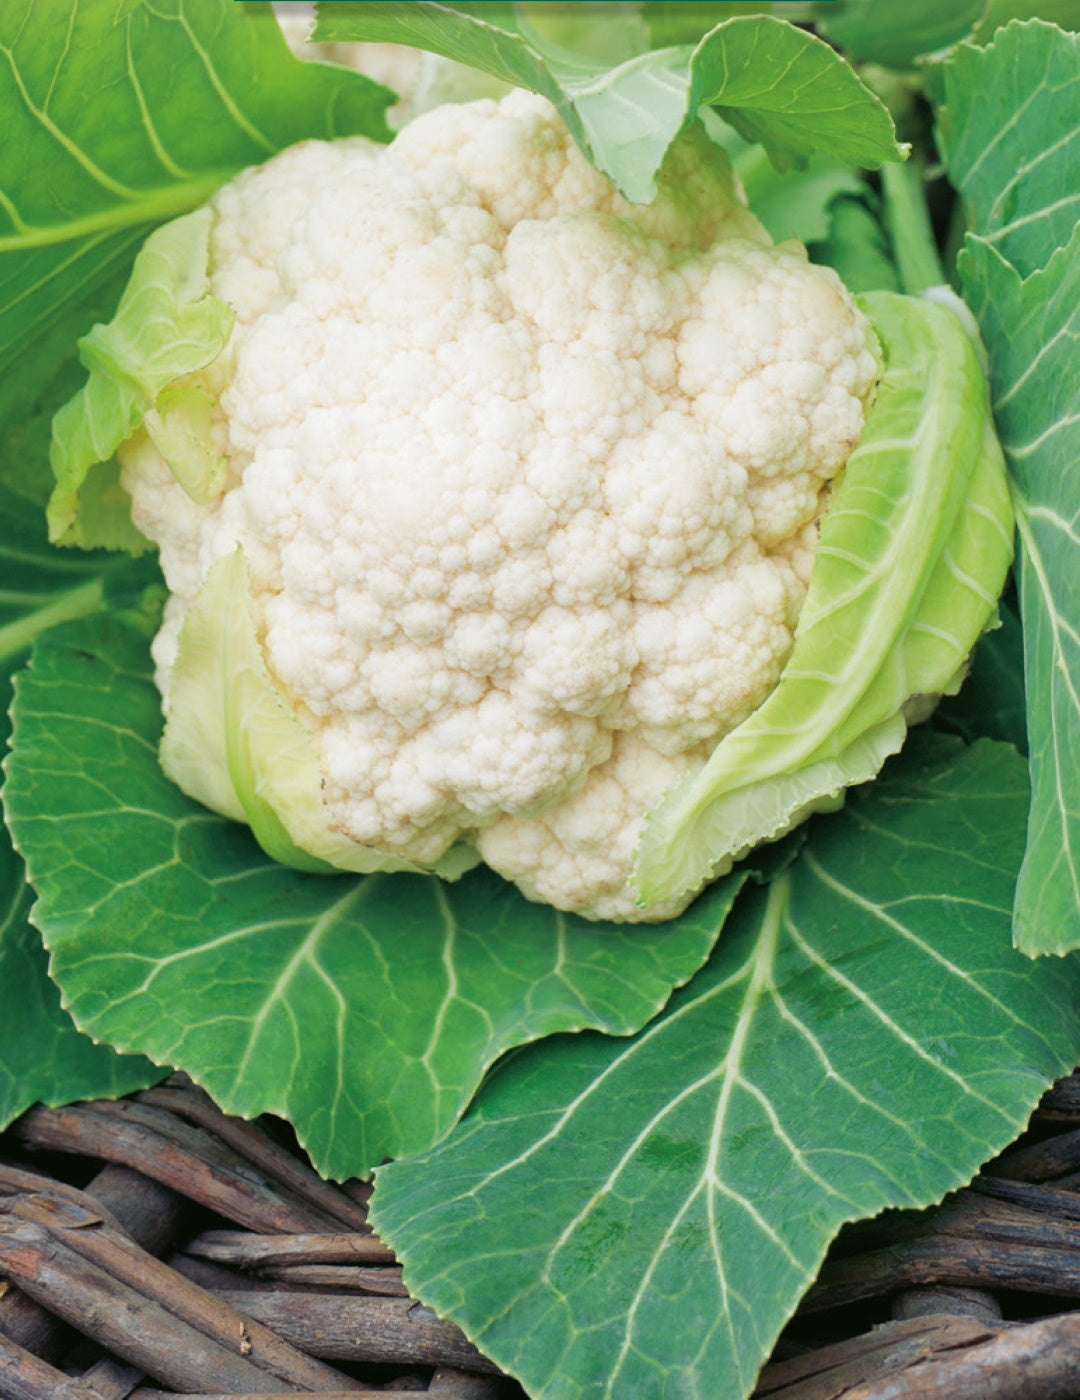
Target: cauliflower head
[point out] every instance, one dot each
(525, 479)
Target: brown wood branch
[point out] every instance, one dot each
(257, 1163)
(973, 1239)
(949, 1259)
(24, 1376)
(148, 1211)
(348, 1327)
(1049, 1200)
(1036, 1361)
(1063, 1097)
(122, 1260)
(1040, 1161)
(108, 1380)
(251, 1142)
(974, 1215)
(358, 1190)
(14, 1181)
(250, 1251)
(199, 1169)
(142, 1393)
(139, 1330)
(827, 1373)
(339, 1277)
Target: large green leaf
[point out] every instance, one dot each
(1010, 129)
(1011, 136)
(898, 35)
(120, 114)
(363, 1009)
(42, 1056)
(1064, 13)
(773, 82)
(639, 1218)
(1032, 329)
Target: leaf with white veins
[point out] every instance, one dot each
(636, 1218)
(1020, 270)
(363, 1009)
(42, 1056)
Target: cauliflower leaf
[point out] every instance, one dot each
(773, 82)
(168, 324)
(913, 554)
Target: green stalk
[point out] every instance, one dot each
(908, 220)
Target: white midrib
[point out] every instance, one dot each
(760, 969)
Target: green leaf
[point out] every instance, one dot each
(1010, 131)
(1032, 328)
(896, 35)
(1011, 138)
(42, 1056)
(121, 114)
(44, 586)
(1064, 13)
(991, 702)
(790, 203)
(45, 376)
(773, 82)
(686, 21)
(913, 553)
(857, 247)
(640, 1217)
(168, 324)
(363, 1009)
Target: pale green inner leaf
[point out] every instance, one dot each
(913, 553)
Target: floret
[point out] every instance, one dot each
(525, 477)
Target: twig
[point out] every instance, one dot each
(248, 1251)
(1040, 1161)
(108, 1380)
(385, 1282)
(127, 1264)
(109, 1289)
(143, 1394)
(24, 1376)
(150, 1213)
(972, 1240)
(344, 1327)
(1063, 1097)
(827, 1373)
(1049, 1200)
(260, 1149)
(200, 1168)
(946, 1259)
(1039, 1361)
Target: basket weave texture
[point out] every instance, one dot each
(154, 1246)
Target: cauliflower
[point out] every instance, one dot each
(525, 482)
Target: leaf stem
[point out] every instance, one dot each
(914, 249)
